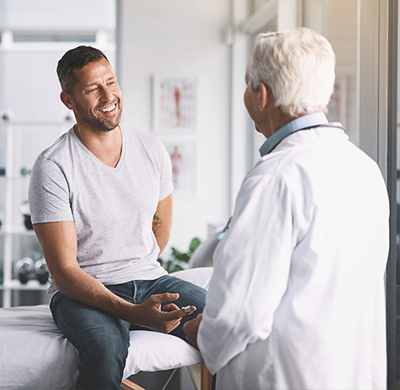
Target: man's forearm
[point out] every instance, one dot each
(80, 286)
(59, 244)
(83, 288)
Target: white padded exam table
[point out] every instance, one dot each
(35, 355)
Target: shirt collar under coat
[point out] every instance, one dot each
(304, 122)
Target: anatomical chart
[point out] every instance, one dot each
(175, 102)
(183, 161)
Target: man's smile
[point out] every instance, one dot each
(109, 108)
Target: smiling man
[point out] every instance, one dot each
(93, 197)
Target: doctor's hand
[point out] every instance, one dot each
(164, 320)
(191, 329)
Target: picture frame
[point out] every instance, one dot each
(174, 104)
(183, 160)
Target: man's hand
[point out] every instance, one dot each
(191, 329)
(150, 315)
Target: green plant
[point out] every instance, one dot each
(177, 260)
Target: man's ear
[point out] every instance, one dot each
(265, 96)
(67, 99)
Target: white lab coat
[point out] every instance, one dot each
(297, 299)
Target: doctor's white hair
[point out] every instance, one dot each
(299, 68)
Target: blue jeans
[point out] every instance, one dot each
(102, 340)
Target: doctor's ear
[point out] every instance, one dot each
(66, 98)
(265, 95)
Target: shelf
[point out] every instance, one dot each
(20, 144)
(17, 285)
(15, 177)
(16, 230)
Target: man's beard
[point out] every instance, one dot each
(98, 123)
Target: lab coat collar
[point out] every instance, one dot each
(302, 123)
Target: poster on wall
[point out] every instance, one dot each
(183, 160)
(174, 104)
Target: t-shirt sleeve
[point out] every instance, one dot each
(48, 193)
(166, 186)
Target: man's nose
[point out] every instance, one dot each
(106, 94)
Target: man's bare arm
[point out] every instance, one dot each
(59, 244)
(162, 222)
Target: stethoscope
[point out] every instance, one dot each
(335, 125)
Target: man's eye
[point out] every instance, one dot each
(92, 90)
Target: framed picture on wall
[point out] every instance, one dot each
(183, 159)
(174, 104)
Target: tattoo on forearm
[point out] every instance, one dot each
(157, 222)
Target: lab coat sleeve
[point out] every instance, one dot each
(251, 268)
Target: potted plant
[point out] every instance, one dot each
(177, 260)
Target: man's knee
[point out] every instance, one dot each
(105, 350)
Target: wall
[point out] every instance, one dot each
(337, 21)
(61, 15)
(342, 33)
(184, 38)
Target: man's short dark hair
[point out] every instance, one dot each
(76, 59)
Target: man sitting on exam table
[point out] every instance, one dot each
(93, 197)
(297, 298)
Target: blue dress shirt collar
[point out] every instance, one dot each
(304, 122)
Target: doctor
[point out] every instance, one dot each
(297, 299)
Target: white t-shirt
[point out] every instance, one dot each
(112, 208)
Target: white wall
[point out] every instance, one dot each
(342, 33)
(184, 38)
(337, 20)
(60, 15)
